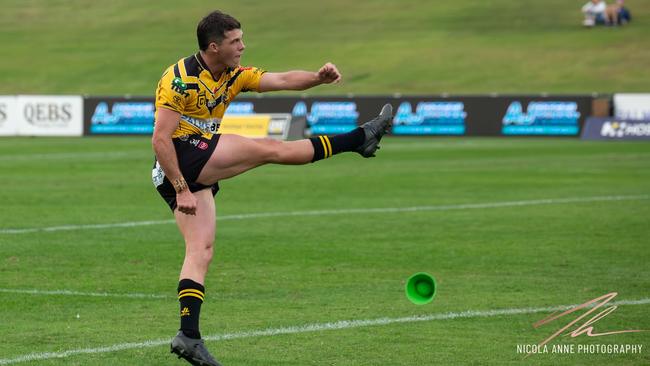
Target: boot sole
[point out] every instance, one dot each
(181, 353)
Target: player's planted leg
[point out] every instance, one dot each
(198, 231)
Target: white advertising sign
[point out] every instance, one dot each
(47, 115)
(632, 106)
(8, 116)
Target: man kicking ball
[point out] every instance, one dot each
(192, 157)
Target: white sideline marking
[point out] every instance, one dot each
(87, 294)
(69, 155)
(340, 212)
(85, 227)
(343, 324)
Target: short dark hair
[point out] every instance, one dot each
(213, 28)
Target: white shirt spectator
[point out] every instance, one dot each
(594, 7)
(592, 10)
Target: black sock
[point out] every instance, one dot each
(190, 295)
(325, 146)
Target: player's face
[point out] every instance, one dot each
(231, 48)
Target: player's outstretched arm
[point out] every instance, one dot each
(166, 124)
(299, 80)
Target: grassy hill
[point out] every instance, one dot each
(411, 47)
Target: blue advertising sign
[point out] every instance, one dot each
(330, 117)
(430, 118)
(542, 118)
(240, 108)
(128, 117)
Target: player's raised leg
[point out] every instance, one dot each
(236, 154)
(199, 232)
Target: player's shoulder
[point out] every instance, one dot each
(184, 69)
(168, 74)
(191, 66)
(173, 81)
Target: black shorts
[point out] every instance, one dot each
(193, 152)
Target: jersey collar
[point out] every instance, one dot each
(205, 66)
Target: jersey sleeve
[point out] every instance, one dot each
(249, 79)
(171, 92)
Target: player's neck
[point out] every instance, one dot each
(213, 64)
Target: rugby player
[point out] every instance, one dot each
(192, 157)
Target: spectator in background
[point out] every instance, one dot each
(617, 14)
(594, 12)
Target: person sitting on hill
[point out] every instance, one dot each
(617, 14)
(594, 12)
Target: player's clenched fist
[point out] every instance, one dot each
(329, 74)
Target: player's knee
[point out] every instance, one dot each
(202, 252)
(209, 252)
(274, 152)
(274, 155)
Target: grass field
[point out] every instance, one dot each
(503, 224)
(380, 46)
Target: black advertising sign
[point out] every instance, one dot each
(508, 115)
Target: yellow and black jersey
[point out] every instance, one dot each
(189, 88)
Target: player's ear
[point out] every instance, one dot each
(213, 47)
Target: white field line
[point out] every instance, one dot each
(84, 294)
(465, 206)
(317, 327)
(96, 155)
(85, 227)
